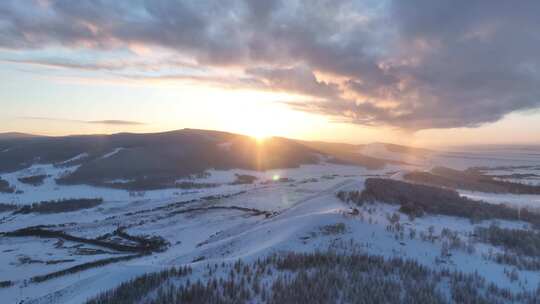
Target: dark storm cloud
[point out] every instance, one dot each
(299, 79)
(477, 60)
(412, 64)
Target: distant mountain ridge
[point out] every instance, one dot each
(155, 160)
(16, 135)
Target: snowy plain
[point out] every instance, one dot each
(302, 200)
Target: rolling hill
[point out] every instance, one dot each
(155, 160)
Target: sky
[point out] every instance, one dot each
(418, 72)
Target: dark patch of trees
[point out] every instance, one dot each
(146, 243)
(417, 199)
(5, 187)
(155, 183)
(319, 277)
(516, 176)
(143, 245)
(7, 207)
(350, 197)
(244, 179)
(285, 180)
(82, 267)
(57, 206)
(253, 211)
(412, 210)
(338, 228)
(516, 188)
(28, 260)
(192, 185)
(149, 183)
(519, 261)
(54, 262)
(5, 284)
(34, 180)
(522, 242)
(136, 289)
(137, 184)
(482, 169)
(469, 180)
(183, 203)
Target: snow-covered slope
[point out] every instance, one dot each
(283, 210)
(396, 153)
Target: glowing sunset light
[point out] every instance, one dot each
(269, 151)
(360, 72)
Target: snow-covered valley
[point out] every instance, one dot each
(282, 210)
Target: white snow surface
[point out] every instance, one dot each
(301, 205)
(113, 152)
(76, 157)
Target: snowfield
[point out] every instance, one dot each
(283, 210)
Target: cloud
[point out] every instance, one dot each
(116, 122)
(109, 65)
(102, 122)
(299, 79)
(416, 64)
